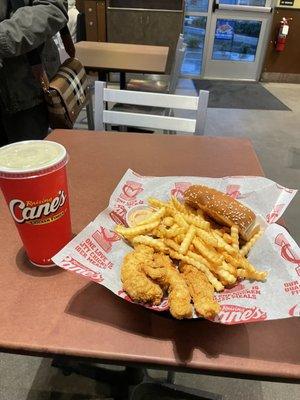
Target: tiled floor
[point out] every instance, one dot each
(32, 378)
(276, 138)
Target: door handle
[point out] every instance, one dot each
(215, 5)
(232, 7)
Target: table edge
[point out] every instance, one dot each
(80, 44)
(111, 69)
(156, 134)
(233, 372)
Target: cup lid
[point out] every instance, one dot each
(30, 156)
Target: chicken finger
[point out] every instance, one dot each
(169, 278)
(201, 290)
(135, 282)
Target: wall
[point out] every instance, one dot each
(80, 5)
(284, 66)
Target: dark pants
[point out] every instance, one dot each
(24, 125)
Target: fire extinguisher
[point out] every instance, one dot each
(282, 34)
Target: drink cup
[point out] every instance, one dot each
(34, 183)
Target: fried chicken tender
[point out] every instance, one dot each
(169, 278)
(201, 290)
(135, 282)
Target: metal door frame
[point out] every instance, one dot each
(210, 32)
(208, 15)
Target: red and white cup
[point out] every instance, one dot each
(33, 180)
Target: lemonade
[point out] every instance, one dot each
(28, 155)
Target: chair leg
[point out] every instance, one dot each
(171, 377)
(90, 116)
(122, 80)
(170, 113)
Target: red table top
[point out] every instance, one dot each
(57, 312)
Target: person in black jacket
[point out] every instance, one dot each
(23, 113)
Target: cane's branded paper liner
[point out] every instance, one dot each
(97, 252)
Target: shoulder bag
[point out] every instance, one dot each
(67, 93)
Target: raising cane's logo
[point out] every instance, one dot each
(284, 189)
(37, 212)
(275, 213)
(231, 314)
(124, 296)
(163, 306)
(118, 215)
(295, 311)
(179, 189)
(287, 252)
(237, 288)
(131, 190)
(105, 238)
(71, 264)
(233, 191)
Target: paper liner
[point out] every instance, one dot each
(97, 252)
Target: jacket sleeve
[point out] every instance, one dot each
(30, 26)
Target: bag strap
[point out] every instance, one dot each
(34, 56)
(67, 41)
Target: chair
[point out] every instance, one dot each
(145, 120)
(162, 83)
(155, 83)
(171, 88)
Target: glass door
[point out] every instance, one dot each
(236, 40)
(194, 29)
